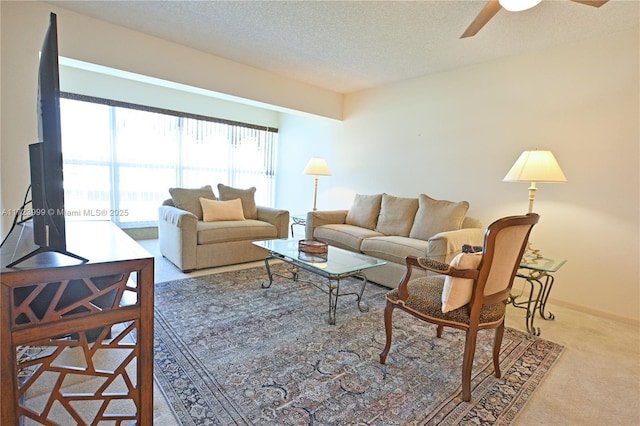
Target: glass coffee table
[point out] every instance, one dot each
(335, 265)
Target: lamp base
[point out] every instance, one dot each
(315, 193)
(531, 254)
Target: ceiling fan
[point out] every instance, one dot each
(493, 6)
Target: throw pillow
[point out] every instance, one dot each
(215, 211)
(188, 199)
(435, 216)
(364, 211)
(396, 215)
(457, 291)
(247, 196)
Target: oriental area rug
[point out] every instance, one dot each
(230, 352)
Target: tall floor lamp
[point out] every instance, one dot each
(317, 166)
(534, 167)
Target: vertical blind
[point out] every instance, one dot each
(120, 159)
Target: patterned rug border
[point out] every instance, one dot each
(200, 399)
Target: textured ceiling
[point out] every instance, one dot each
(346, 46)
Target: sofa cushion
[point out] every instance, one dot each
(393, 248)
(344, 236)
(364, 211)
(247, 196)
(457, 292)
(234, 230)
(216, 210)
(435, 216)
(396, 215)
(188, 199)
(471, 222)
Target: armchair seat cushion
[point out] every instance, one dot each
(234, 230)
(345, 236)
(393, 248)
(425, 297)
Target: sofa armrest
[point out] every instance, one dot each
(177, 217)
(444, 246)
(178, 236)
(277, 217)
(324, 217)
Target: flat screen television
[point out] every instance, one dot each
(45, 157)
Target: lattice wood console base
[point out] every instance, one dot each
(86, 378)
(77, 341)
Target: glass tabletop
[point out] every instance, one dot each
(543, 264)
(336, 262)
(300, 219)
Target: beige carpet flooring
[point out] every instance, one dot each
(595, 382)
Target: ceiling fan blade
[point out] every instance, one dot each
(491, 8)
(594, 3)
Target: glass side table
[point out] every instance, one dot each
(298, 219)
(537, 272)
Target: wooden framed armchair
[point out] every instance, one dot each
(476, 288)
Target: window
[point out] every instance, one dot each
(121, 159)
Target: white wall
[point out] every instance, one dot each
(455, 135)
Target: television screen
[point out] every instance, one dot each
(48, 195)
(45, 157)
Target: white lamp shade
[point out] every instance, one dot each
(317, 166)
(535, 166)
(518, 5)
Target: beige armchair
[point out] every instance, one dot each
(190, 242)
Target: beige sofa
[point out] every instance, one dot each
(193, 237)
(392, 228)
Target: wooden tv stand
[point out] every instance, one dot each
(76, 339)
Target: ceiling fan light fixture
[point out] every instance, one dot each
(518, 5)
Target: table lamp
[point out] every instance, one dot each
(317, 166)
(534, 167)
